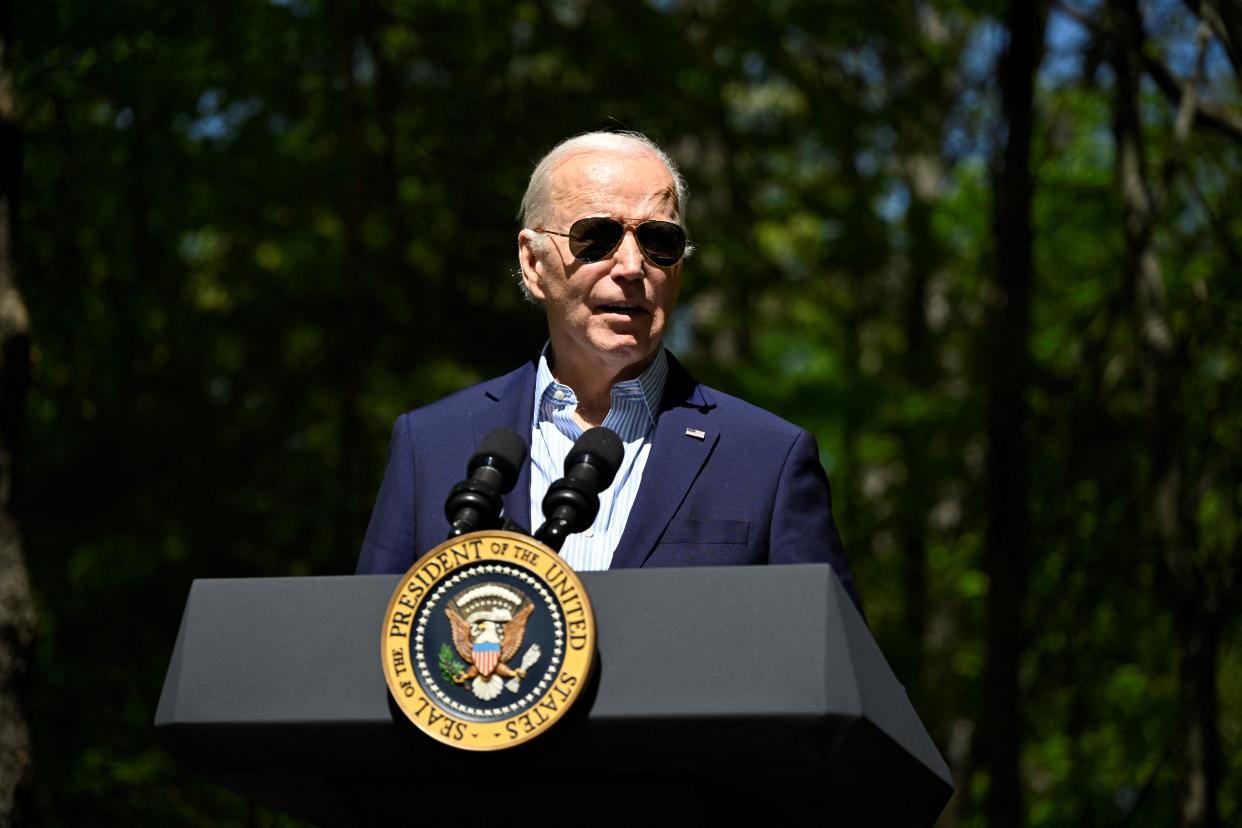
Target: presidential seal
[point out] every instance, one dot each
(488, 640)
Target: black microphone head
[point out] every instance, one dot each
(504, 450)
(604, 447)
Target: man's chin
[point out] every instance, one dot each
(623, 343)
(624, 351)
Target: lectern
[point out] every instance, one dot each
(717, 691)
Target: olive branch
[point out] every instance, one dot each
(449, 665)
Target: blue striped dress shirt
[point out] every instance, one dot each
(553, 432)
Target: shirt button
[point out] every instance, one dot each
(590, 533)
(560, 395)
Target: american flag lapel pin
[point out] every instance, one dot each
(696, 433)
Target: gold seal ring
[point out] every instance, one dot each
(488, 640)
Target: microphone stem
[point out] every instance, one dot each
(467, 520)
(554, 532)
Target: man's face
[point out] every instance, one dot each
(609, 315)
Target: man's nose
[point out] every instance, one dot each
(628, 256)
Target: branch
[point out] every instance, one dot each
(1206, 115)
(1225, 23)
(1087, 21)
(1186, 109)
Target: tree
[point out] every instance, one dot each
(16, 601)
(1007, 549)
(1200, 592)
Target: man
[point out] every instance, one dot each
(706, 479)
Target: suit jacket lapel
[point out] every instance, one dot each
(674, 463)
(509, 401)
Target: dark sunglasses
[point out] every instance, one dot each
(594, 238)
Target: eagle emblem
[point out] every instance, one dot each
(489, 624)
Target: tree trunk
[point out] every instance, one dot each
(1006, 545)
(1172, 500)
(16, 602)
(1198, 630)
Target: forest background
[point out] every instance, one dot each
(988, 253)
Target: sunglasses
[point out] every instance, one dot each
(594, 238)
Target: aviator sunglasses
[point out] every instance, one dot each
(663, 243)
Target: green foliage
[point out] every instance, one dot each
(450, 667)
(254, 232)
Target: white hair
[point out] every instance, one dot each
(537, 205)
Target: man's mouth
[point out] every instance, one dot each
(627, 310)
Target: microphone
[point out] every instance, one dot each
(475, 502)
(572, 502)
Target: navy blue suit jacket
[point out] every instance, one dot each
(751, 490)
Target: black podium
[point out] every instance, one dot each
(717, 691)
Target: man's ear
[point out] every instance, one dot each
(530, 260)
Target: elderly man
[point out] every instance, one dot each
(706, 479)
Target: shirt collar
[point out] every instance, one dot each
(649, 385)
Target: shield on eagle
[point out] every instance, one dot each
(486, 657)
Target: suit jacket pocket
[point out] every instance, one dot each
(707, 531)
